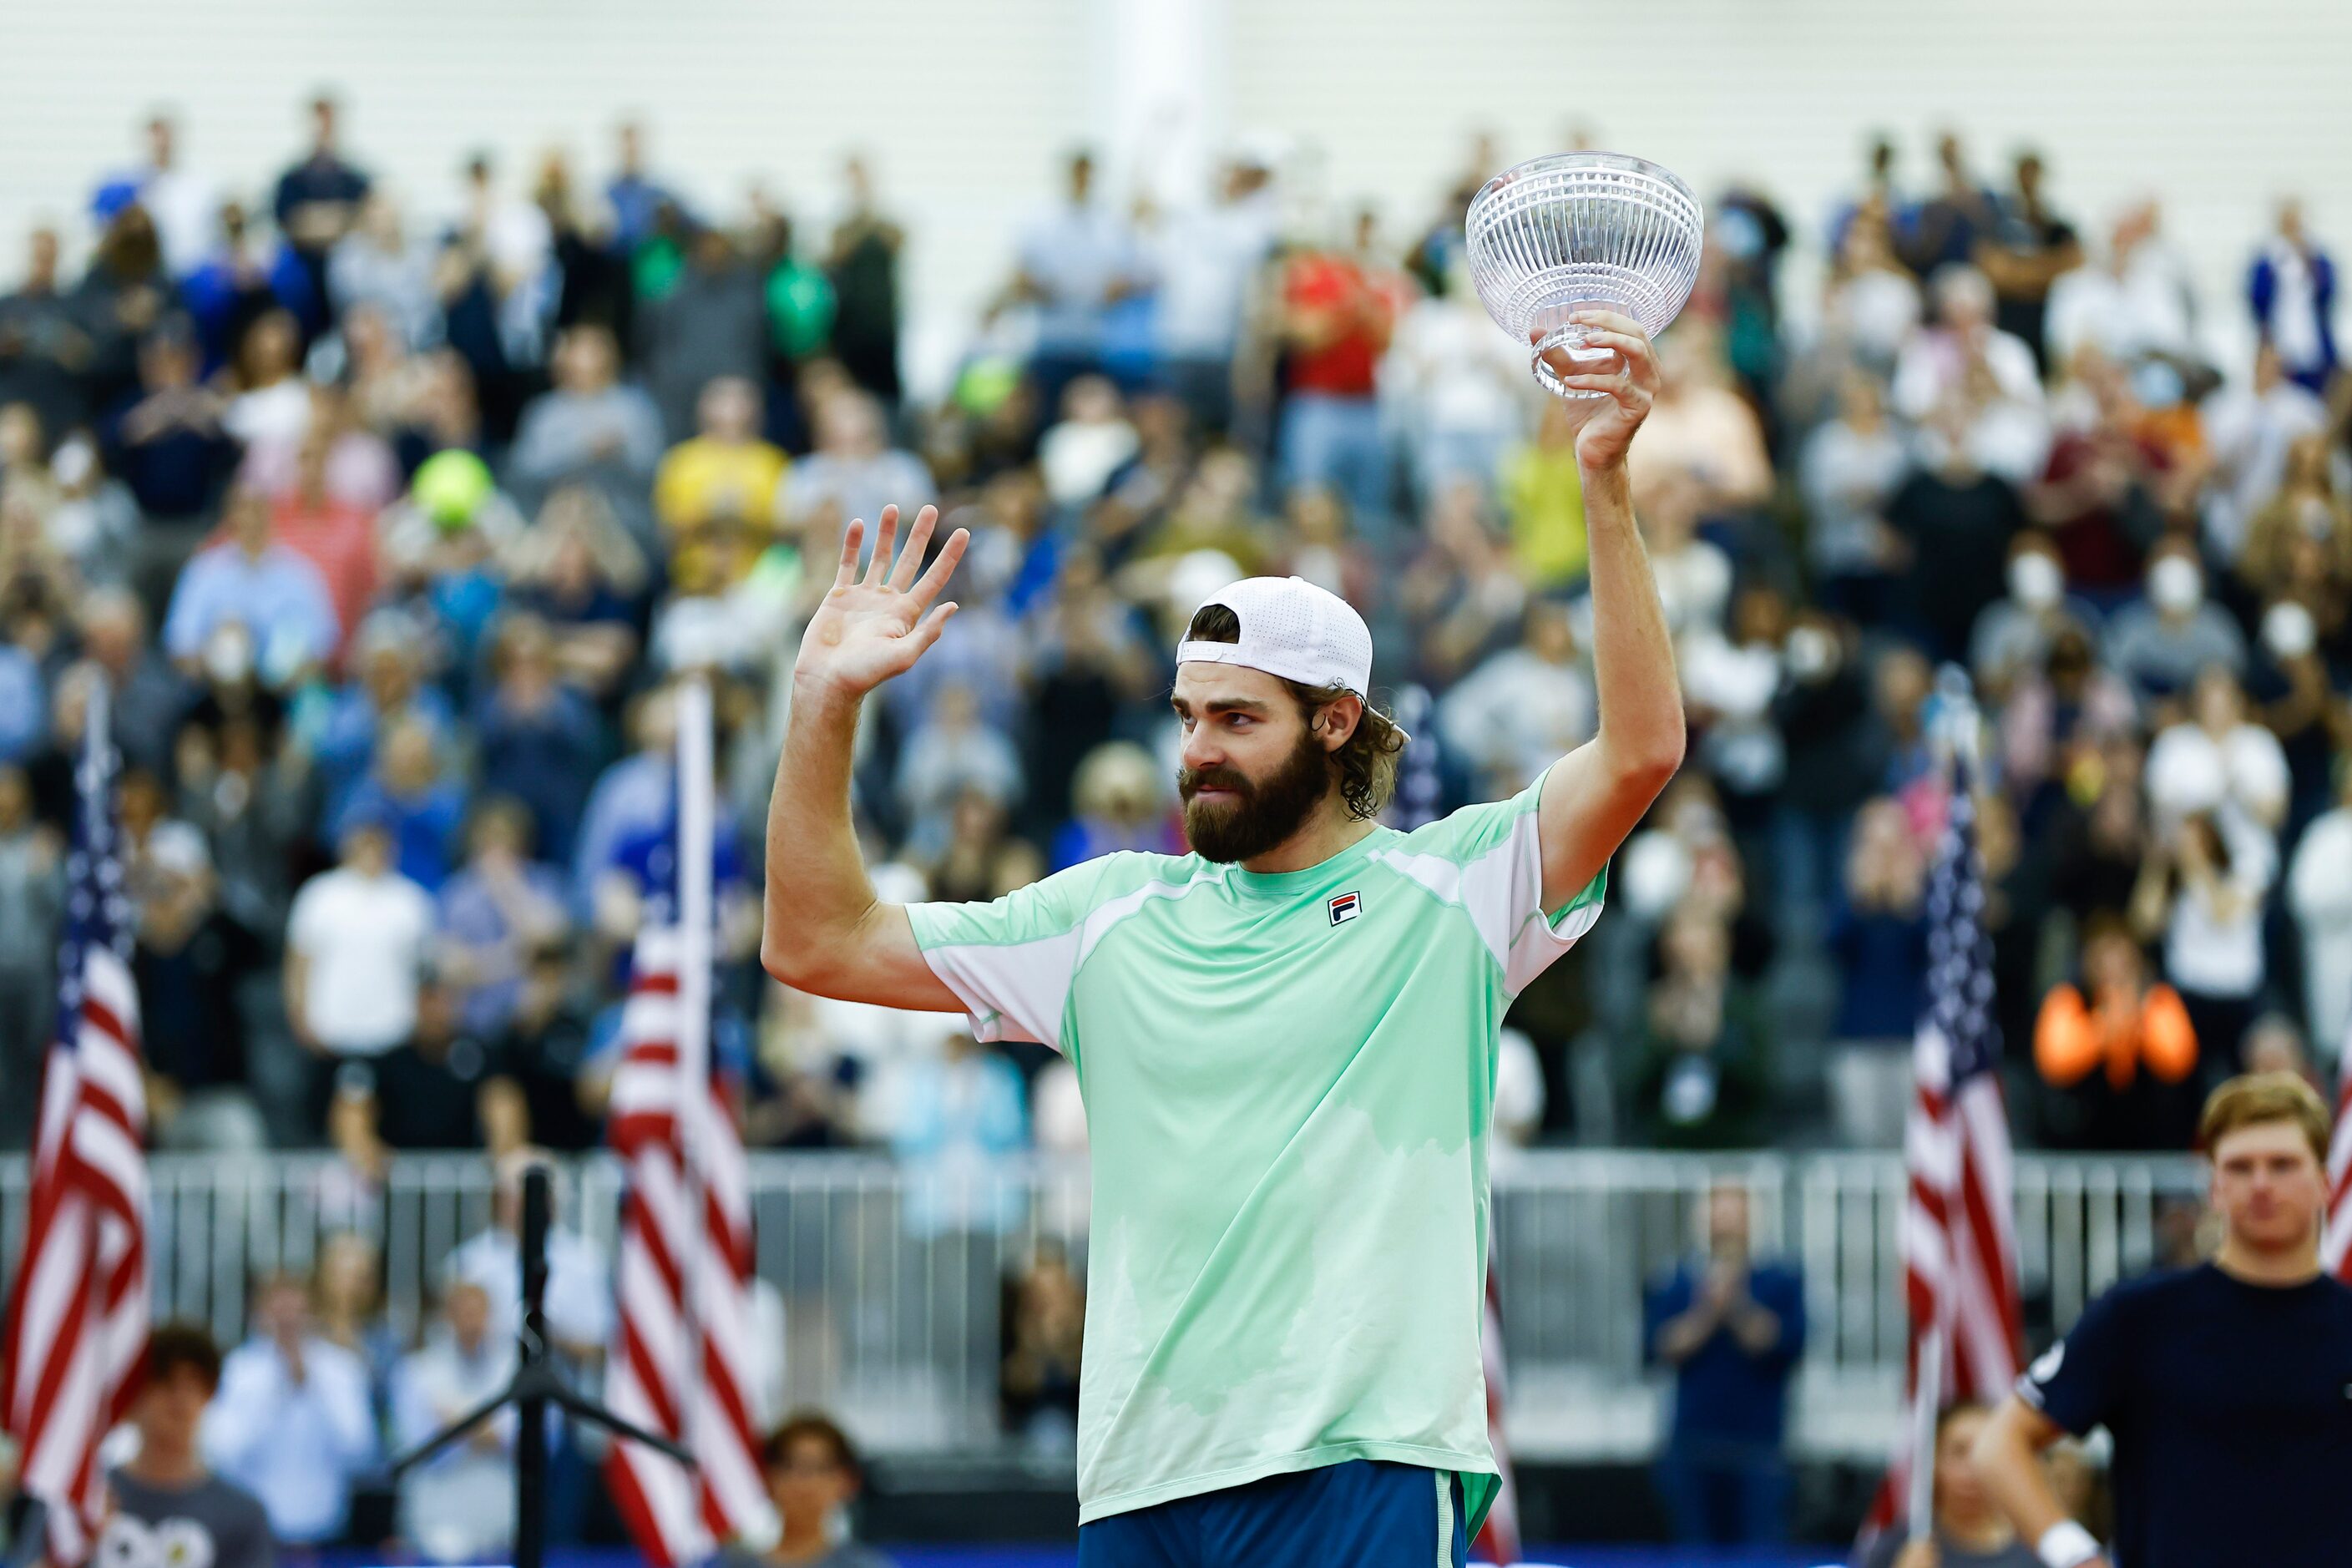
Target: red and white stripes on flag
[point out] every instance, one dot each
(76, 1334)
(1958, 1234)
(2335, 1240)
(1499, 1537)
(682, 1360)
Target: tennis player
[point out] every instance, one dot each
(2227, 1388)
(1287, 1039)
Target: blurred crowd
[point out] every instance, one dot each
(391, 528)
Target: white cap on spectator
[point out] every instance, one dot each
(1293, 629)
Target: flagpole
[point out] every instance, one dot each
(695, 828)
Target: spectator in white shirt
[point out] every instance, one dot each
(1076, 262)
(579, 1285)
(1506, 720)
(1850, 467)
(1961, 351)
(357, 941)
(459, 1507)
(1206, 264)
(2132, 304)
(1458, 387)
(2319, 893)
(2250, 429)
(184, 206)
(291, 1423)
(2218, 761)
(2202, 890)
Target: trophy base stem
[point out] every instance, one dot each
(1568, 339)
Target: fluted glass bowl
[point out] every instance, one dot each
(1581, 231)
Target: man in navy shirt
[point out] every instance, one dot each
(2227, 1388)
(1732, 1330)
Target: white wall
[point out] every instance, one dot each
(2217, 104)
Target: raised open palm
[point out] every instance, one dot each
(871, 627)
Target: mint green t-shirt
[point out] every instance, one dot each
(1290, 1081)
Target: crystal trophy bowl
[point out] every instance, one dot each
(1581, 231)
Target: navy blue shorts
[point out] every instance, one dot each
(1366, 1513)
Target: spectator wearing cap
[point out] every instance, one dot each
(189, 964)
(167, 1502)
(357, 940)
(292, 1423)
(253, 581)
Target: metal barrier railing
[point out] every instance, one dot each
(890, 1279)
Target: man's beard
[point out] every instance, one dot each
(1265, 814)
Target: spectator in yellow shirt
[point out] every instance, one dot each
(724, 482)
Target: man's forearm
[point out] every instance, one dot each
(1632, 655)
(2007, 1457)
(818, 888)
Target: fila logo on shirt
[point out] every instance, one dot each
(1345, 908)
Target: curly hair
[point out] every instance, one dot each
(1365, 766)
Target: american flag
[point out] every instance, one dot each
(76, 1333)
(1958, 1233)
(682, 1356)
(2335, 1240)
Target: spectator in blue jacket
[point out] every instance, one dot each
(1732, 1329)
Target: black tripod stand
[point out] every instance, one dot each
(537, 1384)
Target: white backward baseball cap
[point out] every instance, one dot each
(1293, 629)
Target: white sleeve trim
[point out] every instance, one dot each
(1011, 991)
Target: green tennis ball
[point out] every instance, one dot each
(450, 487)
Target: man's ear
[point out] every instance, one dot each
(1337, 720)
